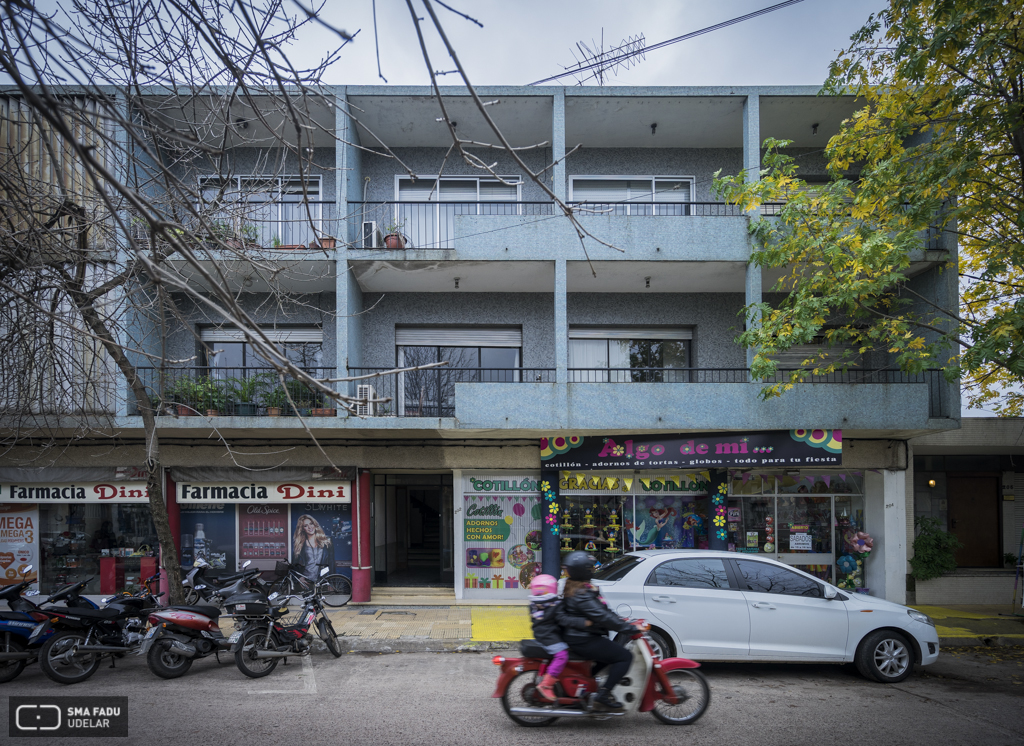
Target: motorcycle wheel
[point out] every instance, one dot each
(9, 670)
(192, 598)
(326, 632)
(63, 668)
(247, 663)
(693, 692)
(165, 662)
(336, 590)
(521, 692)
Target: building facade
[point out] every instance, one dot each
(548, 338)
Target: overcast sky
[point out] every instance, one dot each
(526, 40)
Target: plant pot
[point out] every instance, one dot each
(394, 241)
(322, 412)
(246, 409)
(185, 411)
(273, 411)
(328, 242)
(213, 413)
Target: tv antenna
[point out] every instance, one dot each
(597, 62)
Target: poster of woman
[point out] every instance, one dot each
(321, 537)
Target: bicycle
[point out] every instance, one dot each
(334, 589)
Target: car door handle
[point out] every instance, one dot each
(763, 606)
(669, 599)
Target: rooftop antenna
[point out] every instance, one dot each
(597, 62)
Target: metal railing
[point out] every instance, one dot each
(249, 392)
(431, 392)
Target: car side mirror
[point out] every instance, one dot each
(830, 592)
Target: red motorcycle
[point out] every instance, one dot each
(672, 690)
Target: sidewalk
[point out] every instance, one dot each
(438, 624)
(976, 625)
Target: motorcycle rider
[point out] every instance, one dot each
(581, 599)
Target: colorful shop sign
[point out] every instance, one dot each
(110, 492)
(300, 492)
(503, 485)
(19, 543)
(790, 448)
(696, 483)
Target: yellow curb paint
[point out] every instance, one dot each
(501, 623)
(941, 612)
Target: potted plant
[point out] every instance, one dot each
(245, 393)
(393, 236)
(301, 396)
(210, 396)
(934, 550)
(275, 400)
(184, 393)
(327, 242)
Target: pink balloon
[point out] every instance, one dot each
(518, 509)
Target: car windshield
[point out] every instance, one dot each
(617, 568)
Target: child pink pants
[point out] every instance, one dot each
(557, 664)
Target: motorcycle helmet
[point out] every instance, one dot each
(579, 565)
(543, 584)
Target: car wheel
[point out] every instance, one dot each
(660, 643)
(886, 656)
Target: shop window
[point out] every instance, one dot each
(762, 577)
(690, 573)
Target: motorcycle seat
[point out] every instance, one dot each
(107, 613)
(533, 649)
(211, 611)
(15, 616)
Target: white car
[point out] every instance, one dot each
(726, 606)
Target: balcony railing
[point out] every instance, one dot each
(225, 392)
(431, 392)
(257, 392)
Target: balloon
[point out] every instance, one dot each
(519, 509)
(509, 519)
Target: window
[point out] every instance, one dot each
(762, 577)
(473, 354)
(635, 195)
(690, 573)
(267, 211)
(428, 206)
(629, 355)
(227, 351)
(618, 568)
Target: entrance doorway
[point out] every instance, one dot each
(974, 519)
(413, 533)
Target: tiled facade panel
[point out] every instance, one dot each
(714, 317)
(533, 311)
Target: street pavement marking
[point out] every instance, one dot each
(308, 681)
(501, 623)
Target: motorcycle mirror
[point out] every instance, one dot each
(108, 599)
(323, 570)
(31, 593)
(246, 564)
(26, 570)
(200, 587)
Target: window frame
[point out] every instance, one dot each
(270, 331)
(782, 567)
(313, 183)
(729, 580)
(639, 334)
(653, 178)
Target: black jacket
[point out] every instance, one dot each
(547, 627)
(588, 604)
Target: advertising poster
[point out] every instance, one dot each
(501, 531)
(208, 531)
(321, 535)
(19, 543)
(263, 535)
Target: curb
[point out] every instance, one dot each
(980, 642)
(382, 647)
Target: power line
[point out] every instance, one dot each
(659, 45)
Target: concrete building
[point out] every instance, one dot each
(550, 341)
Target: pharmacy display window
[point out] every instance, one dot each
(109, 545)
(814, 522)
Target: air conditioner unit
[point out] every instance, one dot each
(372, 238)
(365, 406)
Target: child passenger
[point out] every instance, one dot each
(544, 604)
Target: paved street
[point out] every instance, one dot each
(972, 696)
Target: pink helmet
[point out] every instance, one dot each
(542, 584)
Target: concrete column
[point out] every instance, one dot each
(885, 572)
(558, 144)
(752, 169)
(362, 578)
(561, 324)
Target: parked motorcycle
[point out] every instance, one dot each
(18, 624)
(83, 636)
(672, 690)
(179, 635)
(263, 640)
(201, 589)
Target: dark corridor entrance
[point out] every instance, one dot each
(413, 530)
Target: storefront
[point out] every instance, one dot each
(235, 519)
(71, 526)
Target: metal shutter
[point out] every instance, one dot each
(483, 336)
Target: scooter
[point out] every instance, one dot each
(200, 589)
(672, 690)
(179, 635)
(18, 625)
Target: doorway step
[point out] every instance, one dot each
(413, 596)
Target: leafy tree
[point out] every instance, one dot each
(936, 151)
